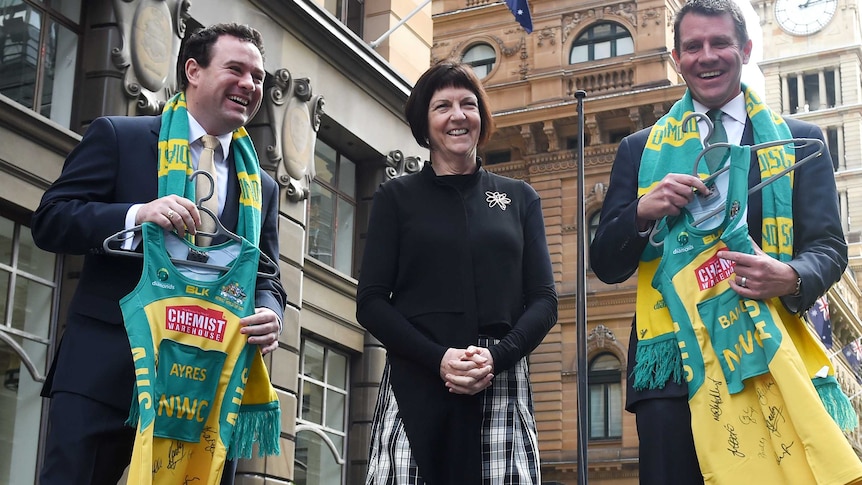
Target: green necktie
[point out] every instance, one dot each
(715, 157)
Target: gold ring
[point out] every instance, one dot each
(742, 282)
(170, 214)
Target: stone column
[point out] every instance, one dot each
(284, 132)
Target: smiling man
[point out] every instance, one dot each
(112, 181)
(711, 45)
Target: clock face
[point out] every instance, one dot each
(803, 17)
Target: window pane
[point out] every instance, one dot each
(314, 462)
(30, 258)
(312, 361)
(580, 53)
(58, 70)
(321, 224)
(69, 8)
(344, 237)
(335, 410)
(626, 45)
(602, 30)
(19, 51)
(7, 229)
(347, 177)
(333, 7)
(602, 50)
(597, 411)
(4, 291)
(605, 362)
(615, 410)
(312, 402)
(20, 412)
(482, 58)
(324, 162)
(31, 312)
(337, 370)
(480, 54)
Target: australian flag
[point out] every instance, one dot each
(521, 11)
(853, 353)
(818, 315)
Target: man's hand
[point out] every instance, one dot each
(171, 212)
(467, 371)
(668, 197)
(759, 276)
(262, 329)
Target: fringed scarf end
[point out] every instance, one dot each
(658, 361)
(259, 424)
(836, 402)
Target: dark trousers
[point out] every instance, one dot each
(88, 443)
(667, 455)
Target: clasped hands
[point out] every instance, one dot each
(467, 371)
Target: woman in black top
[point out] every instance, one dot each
(456, 283)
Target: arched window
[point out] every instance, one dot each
(482, 58)
(606, 400)
(607, 39)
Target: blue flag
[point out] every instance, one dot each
(853, 353)
(521, 11)
(818, 315)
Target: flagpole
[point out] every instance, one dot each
(583, 410)
(399, 24)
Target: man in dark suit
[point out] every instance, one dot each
(711, 44)
(108, 183)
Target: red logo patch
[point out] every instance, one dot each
(713, 271)
(196, 320)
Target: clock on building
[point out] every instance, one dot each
(804, 17)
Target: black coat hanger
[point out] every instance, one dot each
(125, 234)
(796, 142)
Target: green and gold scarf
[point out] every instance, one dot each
(259, 416)
(672, 147)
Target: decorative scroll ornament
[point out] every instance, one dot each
(295, 116)
(397, 164)
(151, 32)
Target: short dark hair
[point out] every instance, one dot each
(448, 73)
(712, 8)
(199, 45)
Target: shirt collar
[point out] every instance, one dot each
(196, 131)
(735, 108)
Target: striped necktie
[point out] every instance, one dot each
(715, 158)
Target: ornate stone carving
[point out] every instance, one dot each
(591, 125)
(600, 334)
(397, 164)
(598, 193)
(150, 32)
(624, 10)
(651, 14)
(546, 33)
(295, 116)
(529, 140)
(635, 116)
(551, 133)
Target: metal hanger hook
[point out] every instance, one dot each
(709, 124)
(212, 185)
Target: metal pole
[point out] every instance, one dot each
(583, 230)
(399, 24)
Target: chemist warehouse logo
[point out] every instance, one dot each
(197, 321)
(712, 272)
